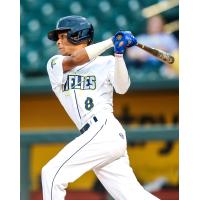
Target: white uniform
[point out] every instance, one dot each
(86, 93)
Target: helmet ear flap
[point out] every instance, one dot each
(73, 37)
(79, 36)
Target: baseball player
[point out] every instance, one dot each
(83, 81)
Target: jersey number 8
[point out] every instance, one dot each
(89, 103)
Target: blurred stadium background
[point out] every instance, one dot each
(149, 111)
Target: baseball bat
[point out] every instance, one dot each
(161, 55)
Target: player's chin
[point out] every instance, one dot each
(64, 52)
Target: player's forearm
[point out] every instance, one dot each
(92, 51)
(121, 77)
(97, 49)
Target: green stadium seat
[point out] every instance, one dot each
(32, 5)
(47, 10)
(118, 3)
(146, 3)
(133, 6)
(106, 35)
(33, 31)
(76, 7)
(94, 20)
(29, 60)
(61, 4)
(90, 5)
(121, 22)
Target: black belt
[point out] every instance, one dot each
(87, 126)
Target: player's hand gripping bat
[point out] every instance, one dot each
(161, 55)
(126, 38)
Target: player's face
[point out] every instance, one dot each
(65, 47)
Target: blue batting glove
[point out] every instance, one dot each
(123, 40)
(119, 42)
(132, 41)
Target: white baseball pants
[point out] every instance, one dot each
(102, 148)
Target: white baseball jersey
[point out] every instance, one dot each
(84, 90)
(87, 91)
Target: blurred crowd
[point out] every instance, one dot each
(155, 37)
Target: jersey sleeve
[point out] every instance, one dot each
(55, 70)
(111, 69)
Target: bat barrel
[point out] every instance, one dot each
(166, 57)
(161, 55)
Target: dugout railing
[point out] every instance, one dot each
(27, 139)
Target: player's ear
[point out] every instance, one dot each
(85, 43)
(88, 42)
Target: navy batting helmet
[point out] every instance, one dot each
(78, 29)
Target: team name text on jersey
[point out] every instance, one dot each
(80, 82)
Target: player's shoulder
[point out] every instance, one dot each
(52, 61)
(55, 57)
